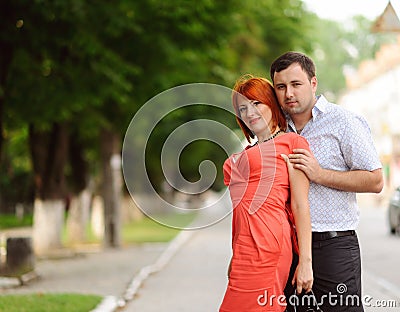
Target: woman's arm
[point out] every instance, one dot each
(299, 186)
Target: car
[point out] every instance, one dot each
(394, 212)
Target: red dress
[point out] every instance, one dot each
(261, 234)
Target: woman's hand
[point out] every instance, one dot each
(303, 277)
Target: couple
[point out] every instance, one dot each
(310, 160)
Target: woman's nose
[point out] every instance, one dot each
(251, 110)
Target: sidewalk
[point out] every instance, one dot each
(194, 263)
(195, 278)
(104, 272)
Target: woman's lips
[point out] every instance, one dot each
(253, 121)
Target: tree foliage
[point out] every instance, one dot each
(90, 65)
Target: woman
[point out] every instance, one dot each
(258, 180)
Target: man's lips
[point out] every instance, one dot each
(290, 103)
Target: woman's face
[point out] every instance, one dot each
(256, 115)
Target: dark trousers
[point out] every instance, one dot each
(337, 276)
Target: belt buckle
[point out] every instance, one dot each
(332, 234)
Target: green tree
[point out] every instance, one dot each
(73, 74)
(266, 29)
(245, 38)
(64, 71)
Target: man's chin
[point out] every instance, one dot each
(292, 110)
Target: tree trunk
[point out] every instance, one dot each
(49, 155)
(5, 61)
(79, 208)
(78, 217)
(111, 186)
(97, 217)
(48, 221)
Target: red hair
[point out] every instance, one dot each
(261, 90)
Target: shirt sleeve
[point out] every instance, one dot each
(357, 146)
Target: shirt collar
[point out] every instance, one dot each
(319, 108)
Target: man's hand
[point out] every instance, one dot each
(287, 161)
(305, 161)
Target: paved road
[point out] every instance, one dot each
(380, 254)
(195, 278)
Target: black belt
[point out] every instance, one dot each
(320, 236)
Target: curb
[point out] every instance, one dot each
(13, 282)
(113, 303)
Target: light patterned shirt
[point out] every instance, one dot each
(340, 140)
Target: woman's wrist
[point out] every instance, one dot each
(305, 259)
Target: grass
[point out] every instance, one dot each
(11, 221)
(48, 303)
(147, 230)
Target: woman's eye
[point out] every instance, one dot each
(242, 109)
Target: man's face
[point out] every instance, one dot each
(295, 93)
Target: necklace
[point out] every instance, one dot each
(273, 136)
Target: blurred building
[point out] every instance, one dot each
(374, 92)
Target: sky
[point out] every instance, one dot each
(341, 10)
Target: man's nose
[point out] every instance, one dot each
(289, 92)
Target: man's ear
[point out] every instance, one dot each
(314, 83)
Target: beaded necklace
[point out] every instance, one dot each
(273, 136)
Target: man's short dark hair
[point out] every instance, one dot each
(287, 59)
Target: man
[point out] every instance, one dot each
(344, 162)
